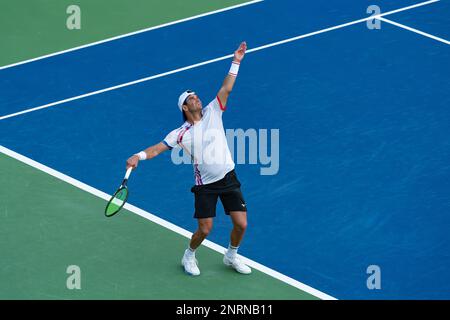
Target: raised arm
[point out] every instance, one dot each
(148, 153)
(228, 83)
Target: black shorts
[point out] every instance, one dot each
(229, 191)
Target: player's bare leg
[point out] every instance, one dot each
(189, 261)
(204, 228)
(239, 219)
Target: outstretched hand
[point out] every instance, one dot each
(132, 162)
(240, 52)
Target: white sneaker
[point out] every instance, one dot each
(190, 264)
(237, 264)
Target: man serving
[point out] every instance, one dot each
(202, 137)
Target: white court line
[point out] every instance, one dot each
(114, 87)
(414, 30)
(132, 33)
(211, 61)
(163, 223)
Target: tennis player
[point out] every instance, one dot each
(202, 136)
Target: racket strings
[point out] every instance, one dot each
(116, 203)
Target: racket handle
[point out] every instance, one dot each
(127, 175)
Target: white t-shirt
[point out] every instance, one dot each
(206, 143)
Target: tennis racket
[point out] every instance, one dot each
(119, 198)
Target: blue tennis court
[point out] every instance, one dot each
(363, 174)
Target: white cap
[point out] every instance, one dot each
(183, 98)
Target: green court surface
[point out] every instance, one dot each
(30, 29)
(48, 225)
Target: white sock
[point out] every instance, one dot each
(232, 251)
(190, 252)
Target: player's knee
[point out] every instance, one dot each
(241, 226)
(205, 230)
